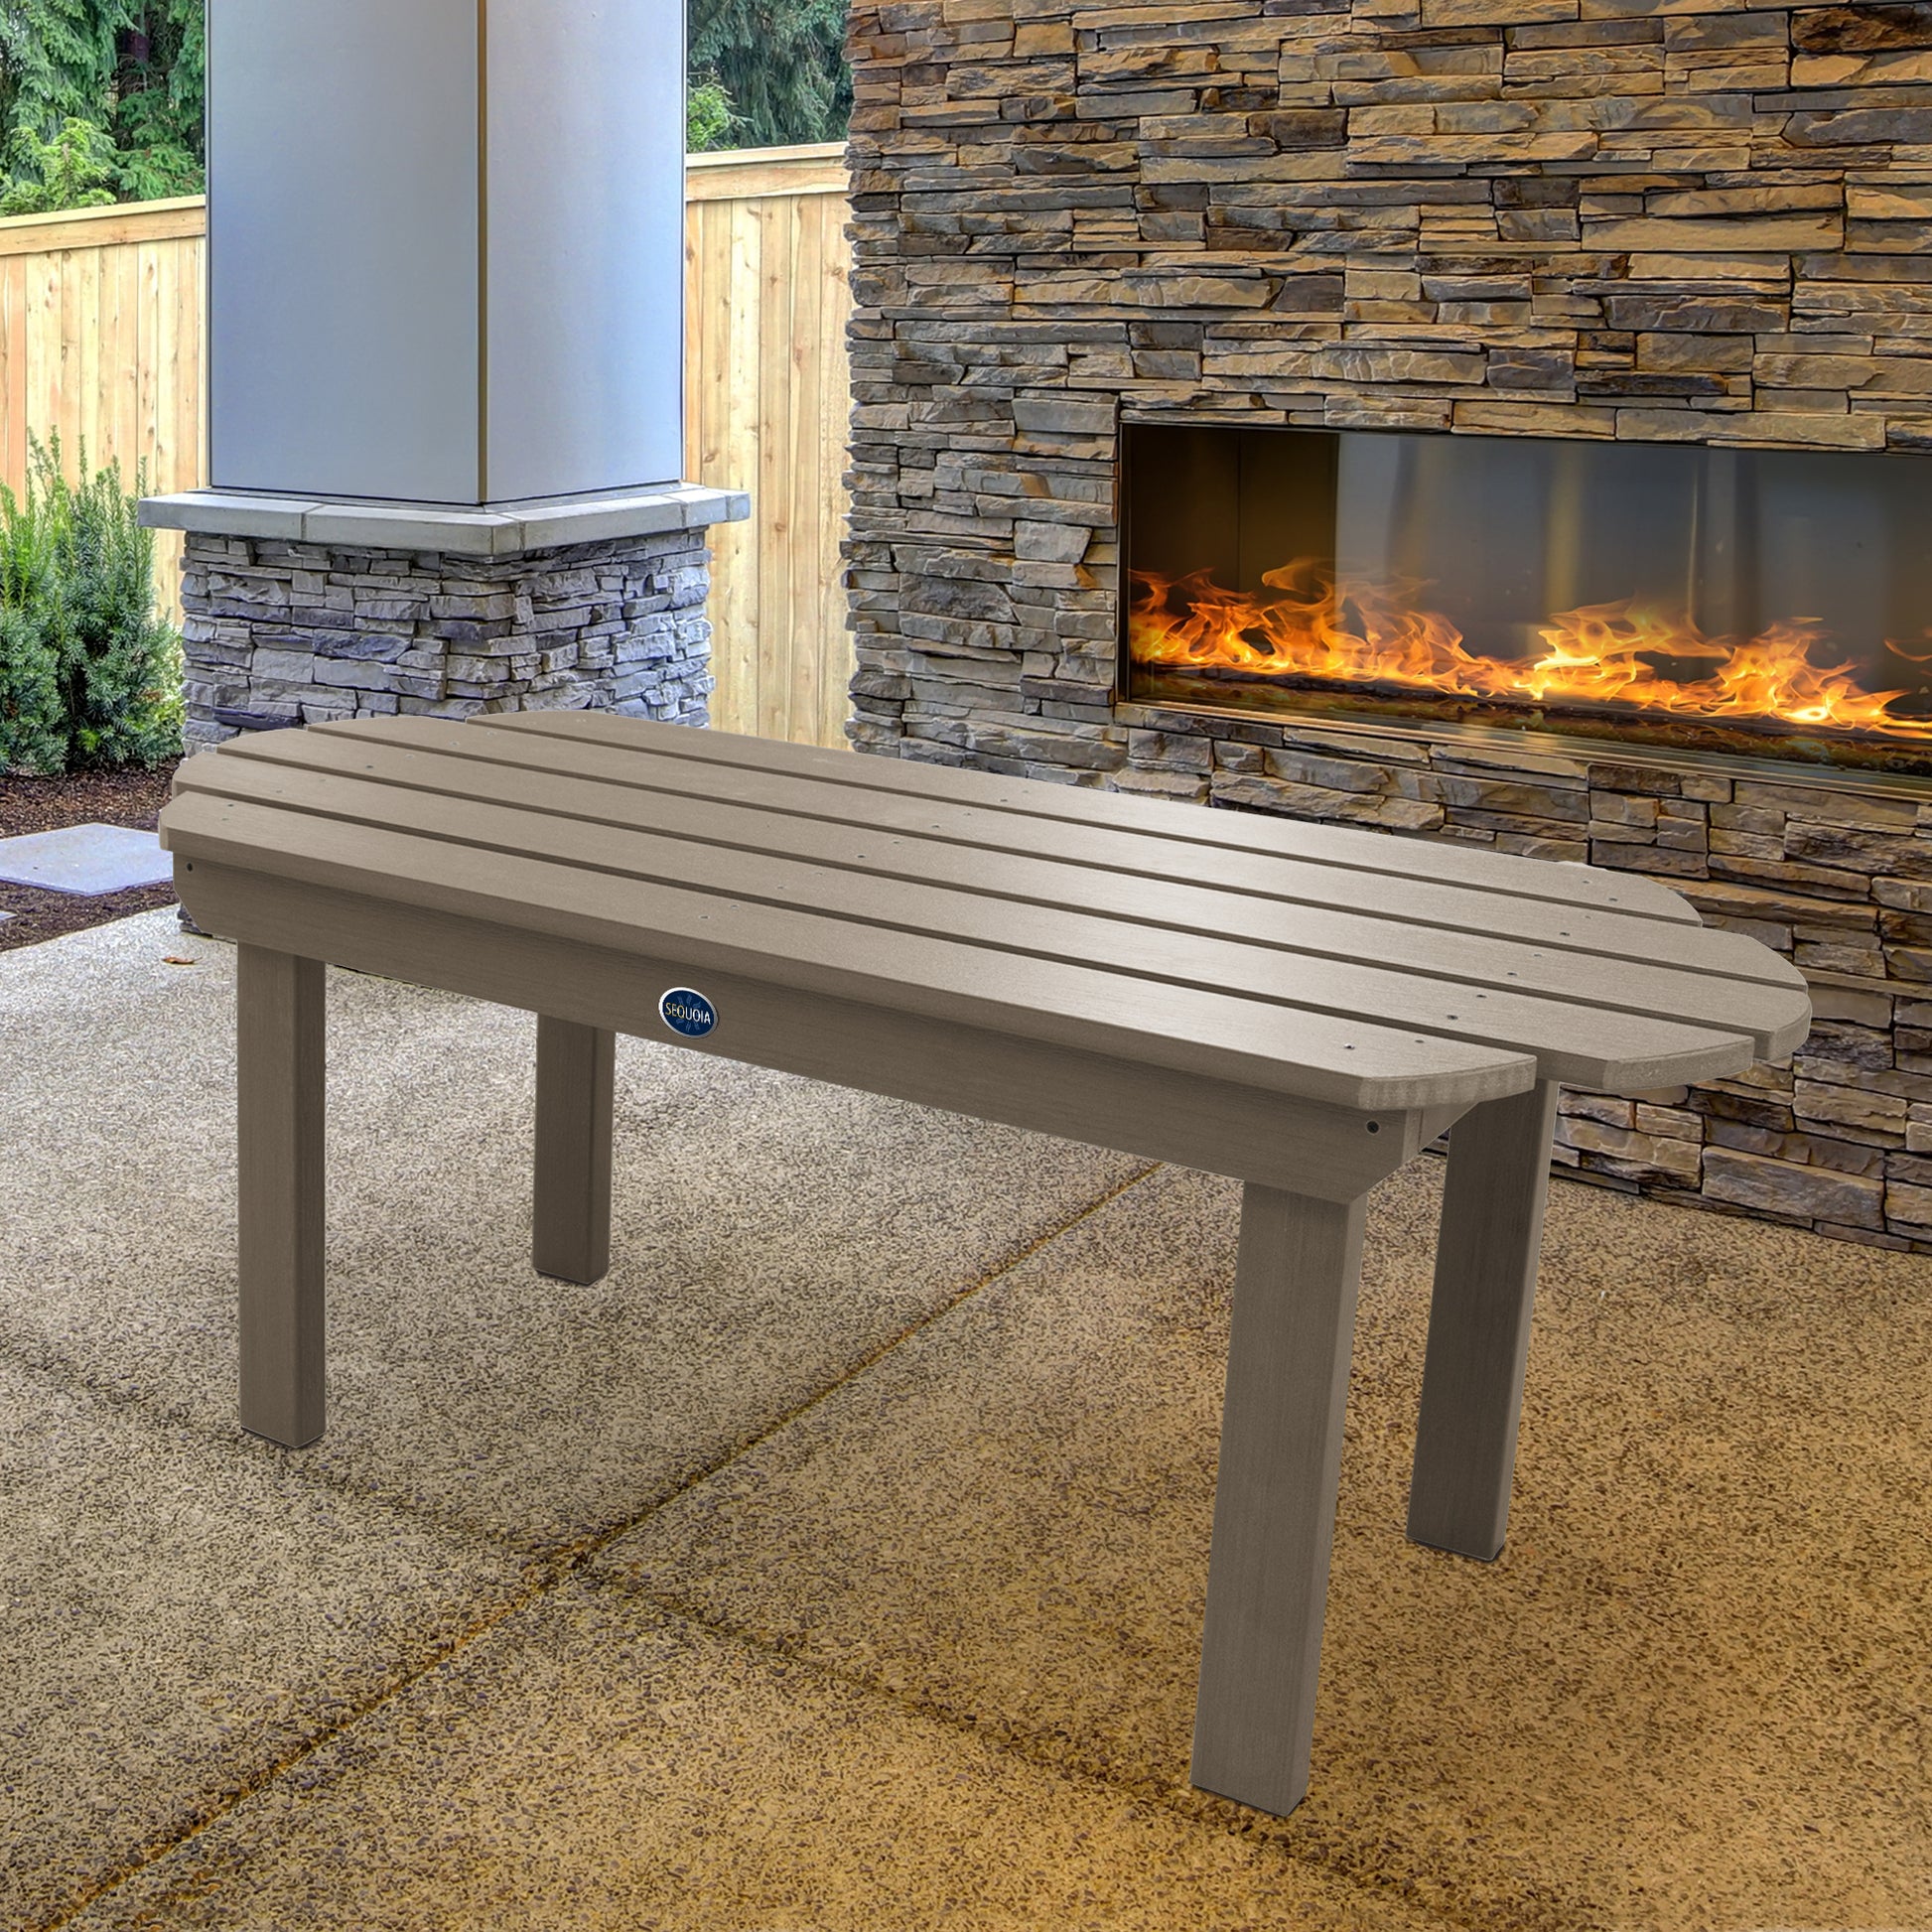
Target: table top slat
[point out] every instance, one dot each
(932, 829)
(1353, 1064)
(1328, 845)
(1580, 1045)
(1476, 959)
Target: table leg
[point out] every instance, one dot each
(280, 1060)
(1479, 1324)
(576, 1077)
(1274, 1497)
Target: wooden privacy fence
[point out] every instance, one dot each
(765, 407)
(101, 338)
(101, 342)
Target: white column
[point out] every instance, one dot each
(446, 247)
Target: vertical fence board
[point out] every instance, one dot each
(13, 368)
(122, 429)
(769, 320)
(774, 422)
(81, 355)
(41, 346)
(102, 340)
(191, 305)
(727, 412)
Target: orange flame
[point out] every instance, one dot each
(1313, 626)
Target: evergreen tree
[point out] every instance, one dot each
(70, 170)
(160, 99)
(762, 74)
(61, 55)
(132, 69)
(709, 122)
(781, 62)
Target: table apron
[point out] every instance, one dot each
(1310, 1148)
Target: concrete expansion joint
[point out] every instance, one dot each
(589, 1548)
(164, 1844)
(546, 1572)
(1187, 1804)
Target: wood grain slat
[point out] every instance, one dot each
(838, 659)
(1593, 1046)
(80, 348)
(1377, 852)
(107, 227)
(13, 370)
(1637, 984)
(120, 348)
(815, 168)
(803, 571)
(1258, 874)
(773, 483)
(42, 408)
(1252, 1132)
(1354, 1064)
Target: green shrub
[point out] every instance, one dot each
(708, 116)
(33, 720)
(33, 732)
(90, 674)
(70, 170)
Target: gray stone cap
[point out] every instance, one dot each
(488, 531)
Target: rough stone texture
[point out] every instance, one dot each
(1838, 879)
(289, 634)
(1679, 220)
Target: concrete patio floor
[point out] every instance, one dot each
(838, 1561)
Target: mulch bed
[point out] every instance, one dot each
(130, 797)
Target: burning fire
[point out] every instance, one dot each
(1315, 628)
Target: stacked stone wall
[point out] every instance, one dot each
(1839, 1139)
(280, 632)
(1677, 220)
(1640, 220)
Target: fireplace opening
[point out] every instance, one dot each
(1768, 602)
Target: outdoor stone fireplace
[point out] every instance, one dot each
(1485, 238)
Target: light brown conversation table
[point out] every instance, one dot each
(1304, 1007)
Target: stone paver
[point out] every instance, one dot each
(86, 859)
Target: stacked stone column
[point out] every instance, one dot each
(279, 632)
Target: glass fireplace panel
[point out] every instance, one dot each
(1771, 601)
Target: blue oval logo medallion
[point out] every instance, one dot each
(687, 1013)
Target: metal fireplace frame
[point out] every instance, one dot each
(1350, 716)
